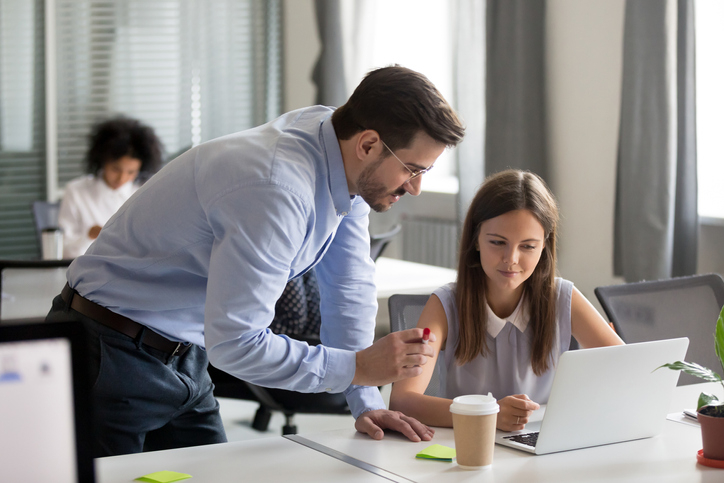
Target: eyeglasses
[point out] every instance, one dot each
(414, 173)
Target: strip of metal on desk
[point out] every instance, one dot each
(347, 459)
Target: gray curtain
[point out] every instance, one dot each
(656, 220)
(469, 75)
(515, 134)
(329, 72)
(500, 90)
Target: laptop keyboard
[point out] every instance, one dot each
(528, 439)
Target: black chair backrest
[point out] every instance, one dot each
(665, 309)
(45, 215)
(405, 311)
(378, 243)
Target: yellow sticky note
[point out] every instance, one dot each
(437, 452)
(163, 477)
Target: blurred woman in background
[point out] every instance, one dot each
(120, 150)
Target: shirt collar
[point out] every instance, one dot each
(519, 318)
(337, 177)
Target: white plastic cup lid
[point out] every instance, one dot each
(475, 405)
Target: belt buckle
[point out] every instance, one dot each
(176, 350)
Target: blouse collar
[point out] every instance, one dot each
(519, 318)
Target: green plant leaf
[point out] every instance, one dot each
(706, 399)
(693, 369)
(719, 338)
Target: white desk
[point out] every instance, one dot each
(669, 457)
(399, 276)
(29, 292)
(394, 276)
(257, 460)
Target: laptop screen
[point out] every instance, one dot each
(43, 422)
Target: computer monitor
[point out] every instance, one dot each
(45, 419)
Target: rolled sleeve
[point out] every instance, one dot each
(349, 303)
(240, 305)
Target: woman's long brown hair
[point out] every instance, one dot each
(500, 193)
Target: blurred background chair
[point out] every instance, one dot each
(27, 287)
(45, 215)
(405, 311)
(378, 243)
(297, 316)
(666, 309)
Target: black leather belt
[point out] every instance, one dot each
(122, 324)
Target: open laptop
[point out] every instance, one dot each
(45, 427)
(603, 395)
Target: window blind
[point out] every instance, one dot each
(192, 69)
(22, 124)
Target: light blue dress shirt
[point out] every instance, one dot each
(204, 249)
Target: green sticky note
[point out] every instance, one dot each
(163, 477)
(437, 452)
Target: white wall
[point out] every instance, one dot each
(301, 47)
(583, 61)
(584, 42)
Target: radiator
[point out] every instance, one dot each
(433, 241)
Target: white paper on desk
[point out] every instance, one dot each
(680, 418)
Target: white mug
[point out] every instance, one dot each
(52, 248)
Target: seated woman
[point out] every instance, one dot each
(503, 325)
(120, 149)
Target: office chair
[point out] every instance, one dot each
(665, 309)
(405, 311)
(29, 286)
(378, 243)
(45, 215)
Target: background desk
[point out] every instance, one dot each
(669, 457)
(28, 287)
(29, 293)
(258, 460)
(394, 276)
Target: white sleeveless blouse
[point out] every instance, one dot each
(506, 369)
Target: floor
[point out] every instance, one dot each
(237, 416)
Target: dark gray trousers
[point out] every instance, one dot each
(143, 400)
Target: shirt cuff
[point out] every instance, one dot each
(341, 366)
(363, 398)
(360, 398)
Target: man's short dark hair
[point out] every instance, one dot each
(122, 136)
(398, 103)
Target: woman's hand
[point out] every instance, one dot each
(515, 411)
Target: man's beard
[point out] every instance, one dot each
(373, 191)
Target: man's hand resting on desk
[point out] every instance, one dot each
(396, 356)
(374, 422)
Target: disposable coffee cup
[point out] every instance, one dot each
(52, 241)
(474, 419)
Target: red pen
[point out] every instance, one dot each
(425, 335)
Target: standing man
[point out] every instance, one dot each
(193, 264)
